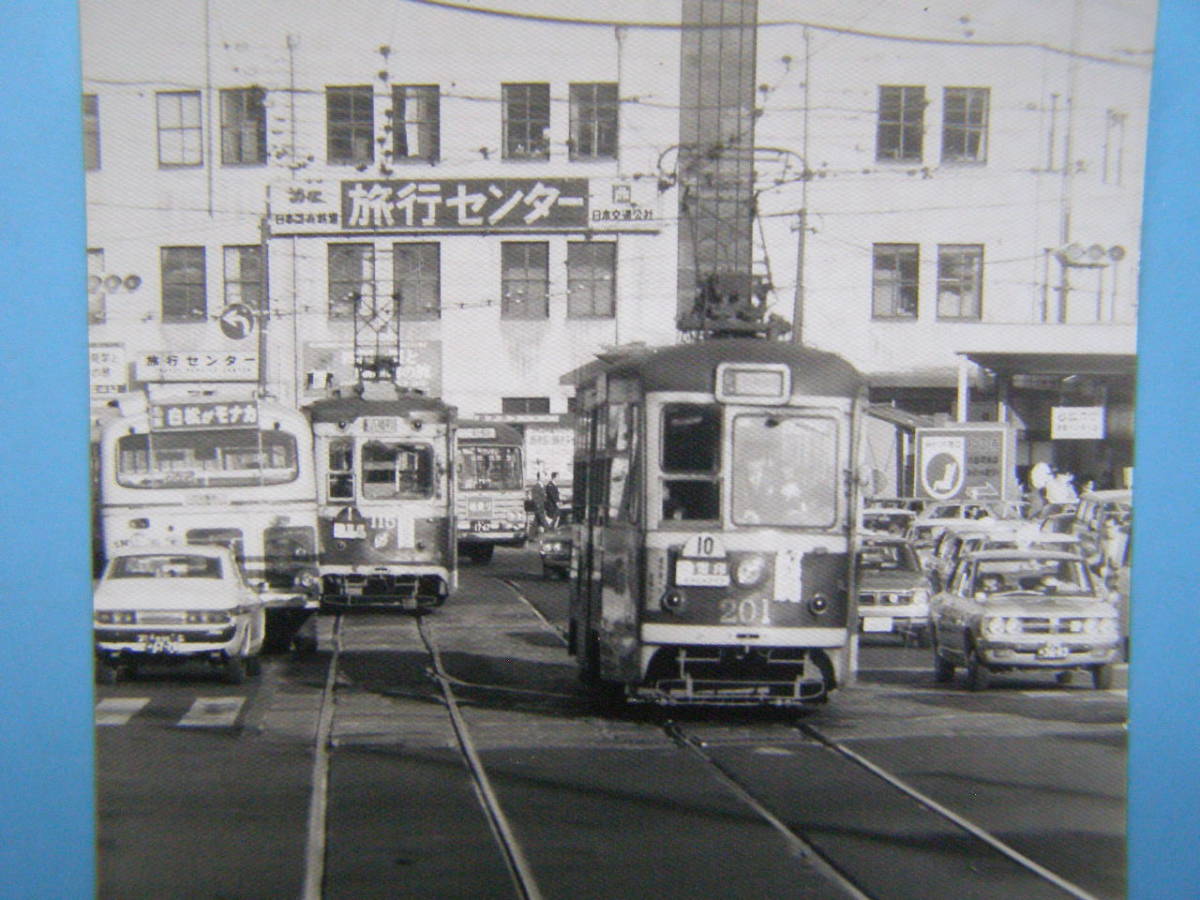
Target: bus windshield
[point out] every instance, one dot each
(784, 470)
(482, 468)
(219, 457)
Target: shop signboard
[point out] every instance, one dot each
(1077, 423)
(964, 461)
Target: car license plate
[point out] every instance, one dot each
(1052, 651)
(481, 525)
(876, 624)
(159, 643)
(702, 573)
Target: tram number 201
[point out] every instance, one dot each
(746, 611)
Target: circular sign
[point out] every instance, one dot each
(942, 474)
(237, 321)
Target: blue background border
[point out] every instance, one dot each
(46, 805)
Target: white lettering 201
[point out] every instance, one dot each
(747, 611)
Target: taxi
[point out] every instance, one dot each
(1006, 610)
(169, 605)
(893, 591)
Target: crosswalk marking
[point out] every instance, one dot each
(212, 712)
(118, 710)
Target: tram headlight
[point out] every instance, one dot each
(671, 601)
(818, 603)
(116, 617)
(208, 617)
(750, 570)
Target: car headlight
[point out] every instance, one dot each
(995, 626)
(750, 570)
(208, 617)
(307, 581)
(116, 617)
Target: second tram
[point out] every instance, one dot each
(714, 502)
(490, 500)
(385, 497)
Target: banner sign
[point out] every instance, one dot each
(419, 365)
(166, 416)
(463, 205)
(200, 365)
(964, 462)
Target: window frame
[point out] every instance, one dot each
(428, 130)
(591, 281)
(532, 274)
(896, 305)
(347, 128)
(343, 308)
(595, 120)
(423, 279)
(198, 254)
(185, 128)
(910, 122)
(243, 126)
(91, 132)
(966, 128)
(236, 284)
(519, 111)
(959, 279)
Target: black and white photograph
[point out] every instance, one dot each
(651, 448)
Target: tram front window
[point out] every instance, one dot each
(784, 470)
(691, 455)
(397, 471)
(489, 469)
(220, 457)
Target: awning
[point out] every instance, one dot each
(1063, 364)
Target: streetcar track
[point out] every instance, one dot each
(318, 808)
(820, 860)
(514, 857)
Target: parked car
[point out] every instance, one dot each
(886, 520)
(893, 591)
(174, 605)
(554, 547)
(1010, 610)
(1102, 515)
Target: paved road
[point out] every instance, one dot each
(206, 790)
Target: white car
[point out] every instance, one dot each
(175, 604)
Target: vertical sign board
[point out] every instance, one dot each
(964, 461)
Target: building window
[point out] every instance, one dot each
(901, 123)
(243, 126)
(351, 279)
(525, 280)
(350, 122)
(960, 281)
(591, 279)
(244, 277)
(894, 281)
(526, 121)
(179, 133)
(415, 116)
(91, 132)
(594, 121)
(525, 405)
(965, 124)
(184, 289)
(97, 307)
(416, 269)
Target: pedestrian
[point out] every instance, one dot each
(552, 501)
(1060, 489)
(537, 496)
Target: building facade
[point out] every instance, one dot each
(478, 204)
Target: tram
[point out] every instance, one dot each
(490, 498)
(713, 512)
(385, 497)
(217, 467)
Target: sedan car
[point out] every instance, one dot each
(893, 591)
(554, 547)
(1036, 610)
(177, 604)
